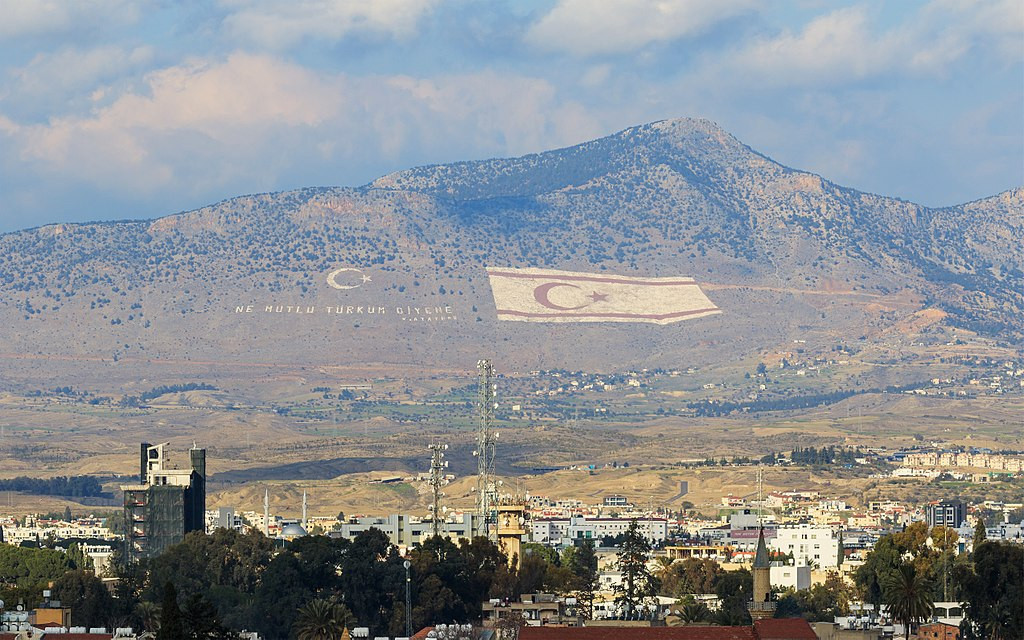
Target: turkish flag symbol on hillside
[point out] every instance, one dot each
(547, 295)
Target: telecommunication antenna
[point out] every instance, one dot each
(266, 512)
(485, 441)
(437, 467)
(760, 496)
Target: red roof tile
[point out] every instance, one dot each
(637, 633)
(65, 636)
(784, 629)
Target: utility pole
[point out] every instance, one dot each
(408, 600)
(437, 467)
(266, 512)
(760, 497)
(485, 446)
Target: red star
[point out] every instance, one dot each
(598, 297)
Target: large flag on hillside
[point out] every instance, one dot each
(546, 295)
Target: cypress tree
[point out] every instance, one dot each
(172, 626)
(980, 534)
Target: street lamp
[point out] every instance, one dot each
(408, 599)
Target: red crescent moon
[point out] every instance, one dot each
(540, 294)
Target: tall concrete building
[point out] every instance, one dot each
(948, 513)
(166, 504)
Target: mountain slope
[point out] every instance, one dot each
(782, 252)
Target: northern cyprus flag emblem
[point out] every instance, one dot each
(547, 295)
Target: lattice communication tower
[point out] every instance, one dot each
(437, 467)
(486, 488)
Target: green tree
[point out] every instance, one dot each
(281, 593)
(993, 592)
(821, 603)
(322, 619)
(638, 583)
(582, 564)
(88, 597)
(450, 582)
(691, 576)
(200, 620)
(734, 590)
(26, 571)
(148, 613)
(980, 534)
(372, 578)
(77, 557)
(224, 567)
(907, 592)
(888, 554)
(172, 625)
(131, 580)
(693, 611)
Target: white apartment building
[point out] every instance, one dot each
(785, 576)
(809, 545)
(557, 531)
(407, 530)
(15, 535)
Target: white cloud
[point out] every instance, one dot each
(283, 23)
(596, 75)
(848, 45)
(54, 79)
(997, 25)
(23, 18)
(603, 27)
(243, 123)
(194, 125)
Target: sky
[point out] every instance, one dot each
(129, 109)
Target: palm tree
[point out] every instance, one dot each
(321, 619)
(907, 592)
(695, 612)
(149, 613)
(664, 563)
(664, 568)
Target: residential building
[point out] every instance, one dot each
(817, 546)
(948, 513)
(166, 504)
(406, 530)
(787, 576)
(563, 531)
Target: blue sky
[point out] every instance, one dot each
(135, 109)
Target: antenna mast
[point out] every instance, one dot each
(437, 466)
(266, 512)
(485, 446)
(760, 496)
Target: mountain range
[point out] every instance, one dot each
(290, 278)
